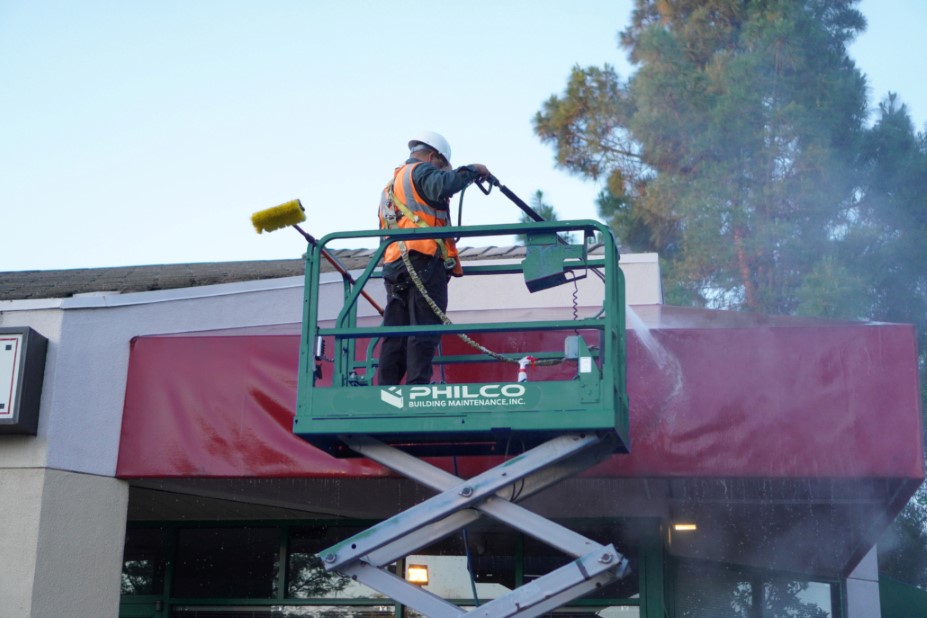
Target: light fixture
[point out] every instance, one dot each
(417, 574)
(687, 527)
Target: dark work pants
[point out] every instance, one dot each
(405, 306)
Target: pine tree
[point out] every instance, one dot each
(729, 151)
(738, 151)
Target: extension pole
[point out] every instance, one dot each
(331, 260)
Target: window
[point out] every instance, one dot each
(143, 562)
(270, 570)
(541, 558)
(307, 577)
(283, 611)
(492, 558)
(710, 590)
(226, 562)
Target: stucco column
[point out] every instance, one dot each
(61, 543)
(863, 588)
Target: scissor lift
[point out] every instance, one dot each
(561, 426)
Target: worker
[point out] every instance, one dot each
(419, 196)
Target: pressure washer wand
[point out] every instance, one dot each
(532, 213)
(494, 182)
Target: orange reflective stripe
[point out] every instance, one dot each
(403, 188)
(427, 246)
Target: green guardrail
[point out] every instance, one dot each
(476, 417)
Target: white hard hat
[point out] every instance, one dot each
(432, 139)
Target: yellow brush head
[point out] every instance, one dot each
(284, 215)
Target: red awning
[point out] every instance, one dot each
(712, 394)
(791, 442)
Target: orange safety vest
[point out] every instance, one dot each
(402, 207)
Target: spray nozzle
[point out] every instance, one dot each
(523, 367)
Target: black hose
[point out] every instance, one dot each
(466, 540)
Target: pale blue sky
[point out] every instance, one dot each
(142, 132)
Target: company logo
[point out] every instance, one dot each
(455, 395)
(392, 396)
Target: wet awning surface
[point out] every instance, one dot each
(804, 429)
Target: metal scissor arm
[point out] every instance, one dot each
(459, 503)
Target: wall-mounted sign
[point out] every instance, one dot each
(22, 371)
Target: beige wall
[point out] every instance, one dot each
(863, 588)
(63, 536)
(470, 293)
(20, 500)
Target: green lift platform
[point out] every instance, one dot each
(546, 430)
